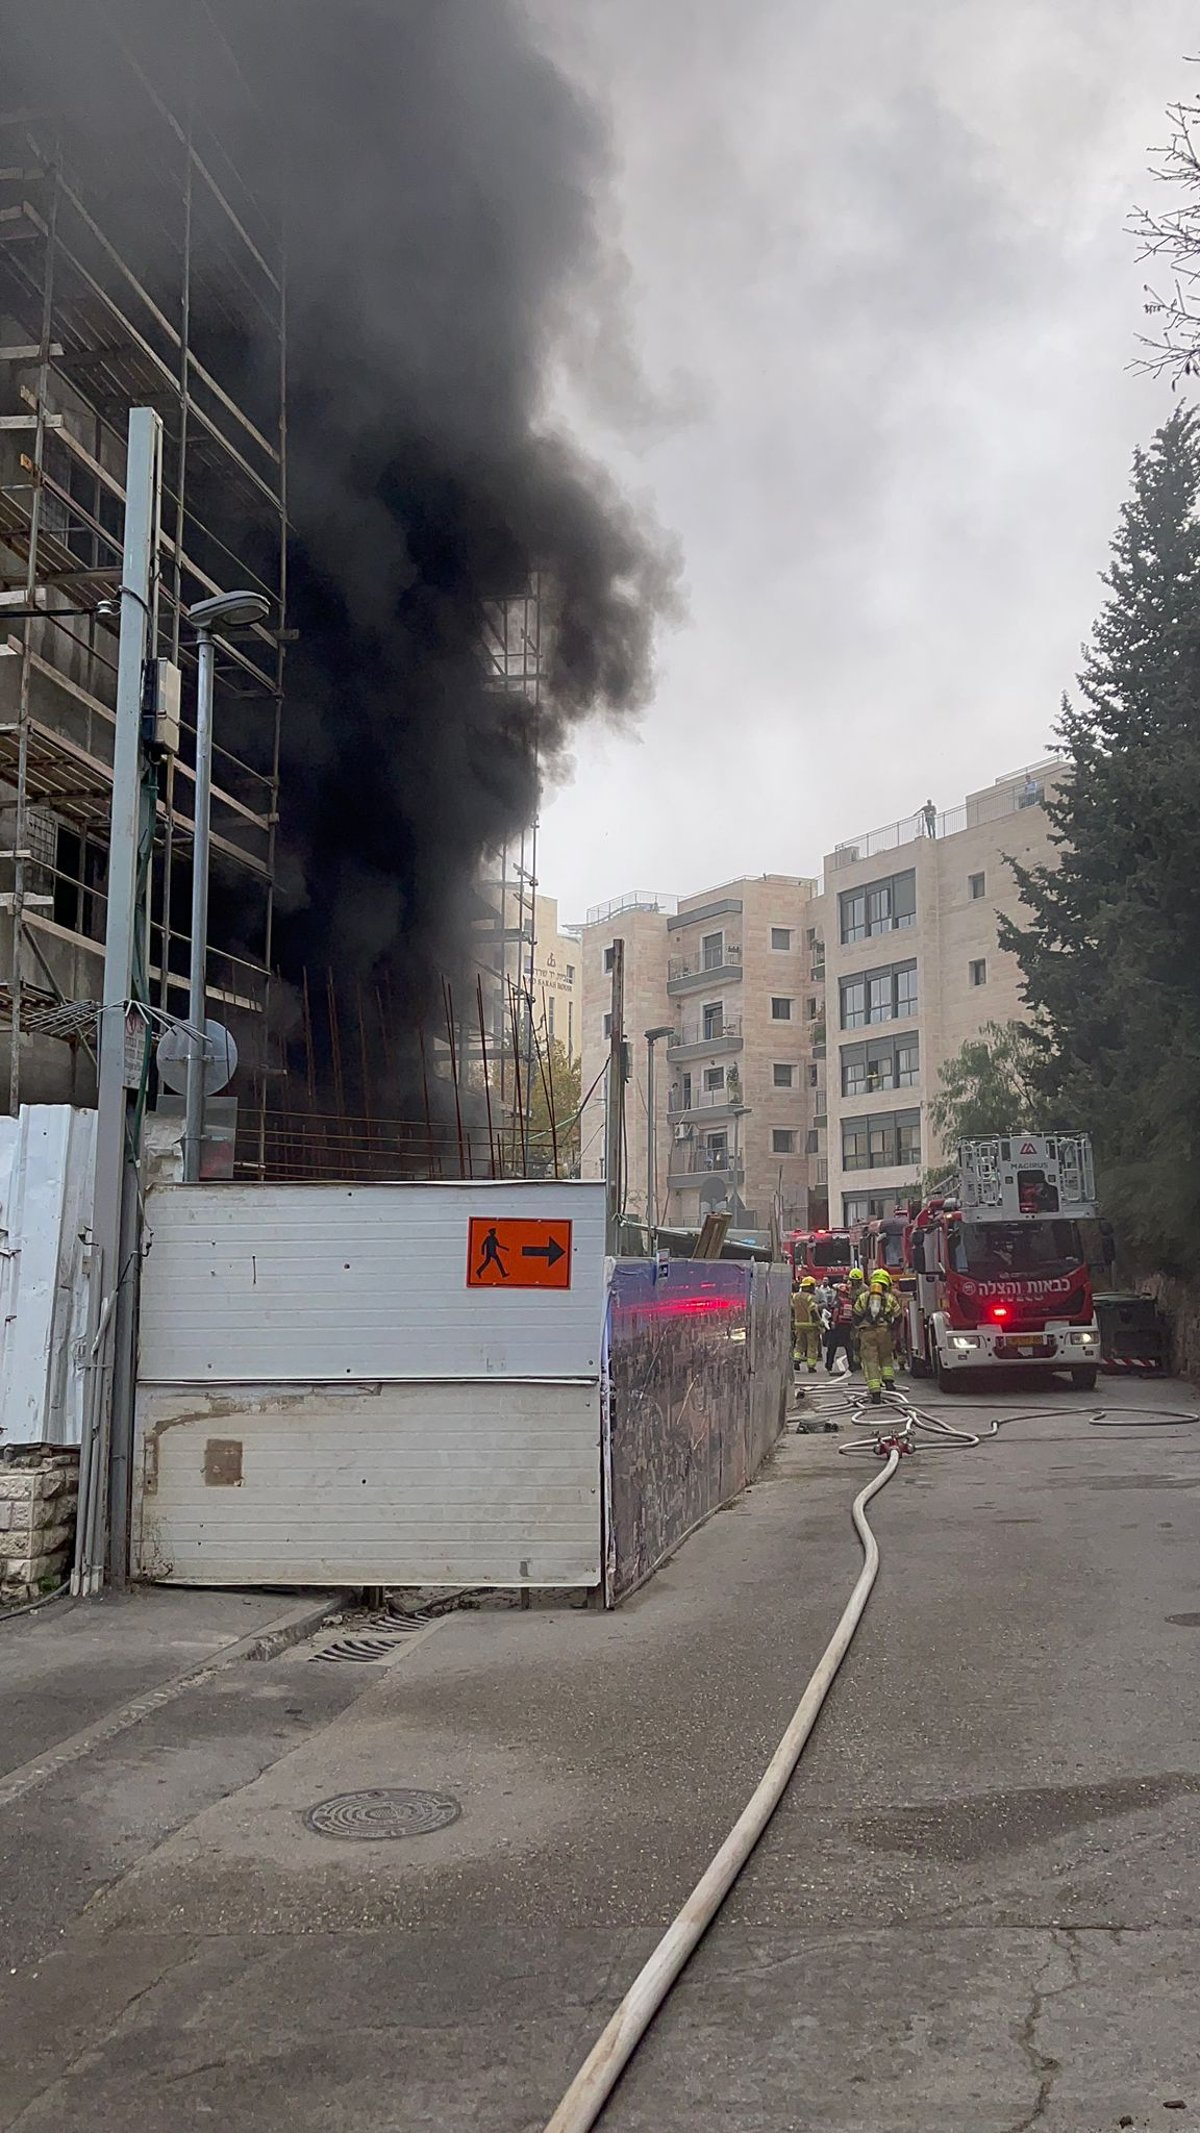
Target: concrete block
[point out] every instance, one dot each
(22, 1570)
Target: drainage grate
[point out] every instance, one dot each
(379, 1639)
(389, 1811)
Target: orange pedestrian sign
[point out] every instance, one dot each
(510, 1254)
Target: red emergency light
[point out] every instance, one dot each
(999, 1311)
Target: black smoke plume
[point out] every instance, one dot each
(443, 187)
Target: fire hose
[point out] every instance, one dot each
(890, 1440)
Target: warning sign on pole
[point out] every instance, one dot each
(511, 1254)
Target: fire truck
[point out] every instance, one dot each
(826, 1254)
(1000, 1269)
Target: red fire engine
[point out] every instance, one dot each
(826, 1254)
(1000, 1271)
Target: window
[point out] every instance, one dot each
(570, 973)
(812, 1077)
(811, 936)
(884, 1142)
(712, 951)
(810, 1009)
(608, 1025)
(880, 1063)
(781, 1010)
(784, 1076)
(812, 1141)
(716, 1151)
(712, 1019)
(685, 1092)
(979, 971)
(862, 1207)
(977, 885)
(783, 1141)
(714, 1077)
(888, 995)
(550, 1018)
(878, 907)
(781, 936)
(610, 956)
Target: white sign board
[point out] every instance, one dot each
(269, 1283)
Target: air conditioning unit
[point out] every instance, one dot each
(684, 1133)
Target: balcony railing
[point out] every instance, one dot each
(1023, 788)
(728, 1098)
(702, 1032)
(696, 966)
(688, 1161)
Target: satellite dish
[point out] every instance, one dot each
(220, 1058)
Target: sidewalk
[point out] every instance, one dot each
(68, 1664)
(976, 1909)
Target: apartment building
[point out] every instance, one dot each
(913, 968)
(557, 979)
(808, 1019)
(729, 980)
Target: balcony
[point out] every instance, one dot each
(691, 1161)
(692, 1040)
(690, 973)
(704, 1101)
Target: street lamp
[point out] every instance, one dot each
(664, 1029)
(223, 610)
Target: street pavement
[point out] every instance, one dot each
(976, 1909)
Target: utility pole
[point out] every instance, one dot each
(103, 1528)
(614, 1116)
(664, 1029)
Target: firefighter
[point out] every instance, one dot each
(806, 1326)
(875, 1313)
(841, 1321)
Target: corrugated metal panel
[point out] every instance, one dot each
(379, 1485)
(261, 1283)
(46, 1158)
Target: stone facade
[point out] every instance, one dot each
(729, 974)
(920, 901)
(38, 1495)
(778, 1087)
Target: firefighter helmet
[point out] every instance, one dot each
(856, 1273)
(881, 1279)
(808, 1282)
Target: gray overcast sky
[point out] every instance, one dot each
(884, 303)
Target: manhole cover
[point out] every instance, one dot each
(389, 1811)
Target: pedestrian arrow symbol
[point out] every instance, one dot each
(511, 1254)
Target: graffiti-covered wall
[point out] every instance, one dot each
(699, 1371)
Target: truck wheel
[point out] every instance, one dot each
(947, 1379)
(1085, 1380)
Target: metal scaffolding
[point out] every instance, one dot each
(506, 924)
(99, 314)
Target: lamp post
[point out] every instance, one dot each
(664, 1029)
(222, 610)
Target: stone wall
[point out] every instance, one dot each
(38, 1494)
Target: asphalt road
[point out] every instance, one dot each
(976, 1910)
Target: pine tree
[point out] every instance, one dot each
(1111, 953)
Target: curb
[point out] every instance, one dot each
(289, 1629)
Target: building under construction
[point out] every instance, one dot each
(87, 331)
(139, 267)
